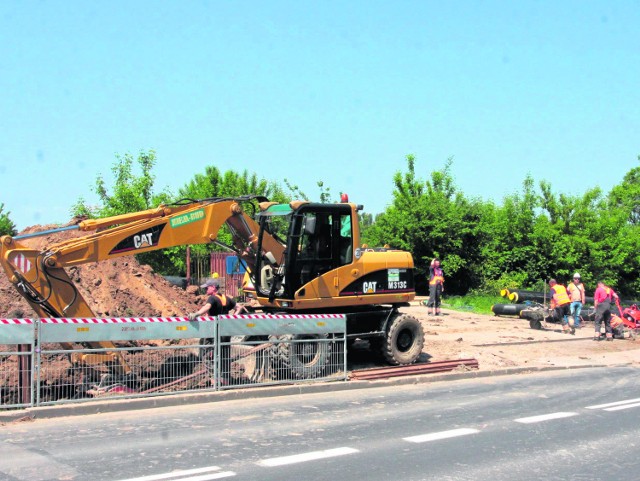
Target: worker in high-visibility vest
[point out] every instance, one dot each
(561, 302)
(602, 299)
(217, 303)
(436, 287)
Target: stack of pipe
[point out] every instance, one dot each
(517, 296)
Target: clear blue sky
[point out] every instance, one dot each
(331, 90)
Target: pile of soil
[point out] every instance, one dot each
(119, 287)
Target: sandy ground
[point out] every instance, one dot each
(504, 342)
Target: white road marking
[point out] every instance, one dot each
(618, 403)
(624, 406)
(300, 458)
(423, 438)
(544, 417)
(186, 475)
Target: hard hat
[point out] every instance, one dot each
(211, 283)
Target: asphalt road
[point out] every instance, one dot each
(565, 425)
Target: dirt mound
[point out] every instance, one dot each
(119, 287)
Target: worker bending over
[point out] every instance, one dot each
(602, 302)
(560, 302)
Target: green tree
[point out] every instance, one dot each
(130, 192)
(214, 183)
(431, 218)
(507, 251)
(295, 192)
(7, 227)
(626, 196)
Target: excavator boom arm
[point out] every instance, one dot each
(42, 280)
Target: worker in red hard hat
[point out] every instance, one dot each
(560, 302)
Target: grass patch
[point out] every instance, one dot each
(476, 303)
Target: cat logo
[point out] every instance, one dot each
(369, 287)
(143, 240)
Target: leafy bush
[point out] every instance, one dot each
(7, 227)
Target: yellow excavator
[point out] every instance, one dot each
(302, 257)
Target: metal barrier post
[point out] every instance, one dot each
(25, 364)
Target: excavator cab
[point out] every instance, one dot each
(319, 239)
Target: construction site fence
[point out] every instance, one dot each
(58, 361)
(17, 350)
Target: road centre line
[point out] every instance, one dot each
(545, 417)
(624, 406)
(617, 403)
(178, 475)
(423, 438)
(312, 456)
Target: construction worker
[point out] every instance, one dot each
(436, 287)
(576, 293)
(217, 303)
(602, 299)
(560, 302)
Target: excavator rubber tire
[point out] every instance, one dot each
(404, 341)
(299, 360)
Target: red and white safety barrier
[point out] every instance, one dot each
(282, 316)
(16, 321)
(118, 320)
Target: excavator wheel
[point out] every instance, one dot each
(292, 358)
(404, 341)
